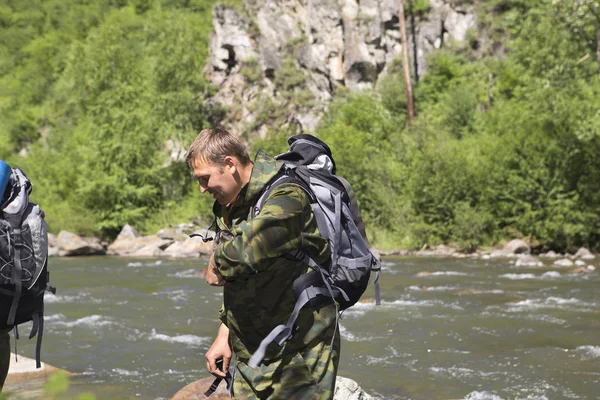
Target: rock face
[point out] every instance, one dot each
(345, 389)
(293, 54)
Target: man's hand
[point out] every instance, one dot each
(219, 349)
(213, 277)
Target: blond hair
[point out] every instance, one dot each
(213, 145)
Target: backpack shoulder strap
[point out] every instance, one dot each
(354, 208)
(285, 175)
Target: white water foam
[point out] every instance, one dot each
(546, 275)
(141, 264)
(91, 321)
(433, 288)
(54, 317)
(175, 295)
(346, 334)
(589, 352)
(551, 274)
(125, 372)
(516, 277)
(482, 396)
(551, 302)
(360, 309)
(185, 339)
(442, 273)
(80, 298)
(188, 273)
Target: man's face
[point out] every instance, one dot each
(218, 180)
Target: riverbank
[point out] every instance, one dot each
(190, 241)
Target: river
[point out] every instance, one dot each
(446, 329)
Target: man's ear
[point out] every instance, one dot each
(231, 164)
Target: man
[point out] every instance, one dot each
(4, 355)
(257, 273)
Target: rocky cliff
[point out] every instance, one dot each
(277, 64)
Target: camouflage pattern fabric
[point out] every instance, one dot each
(258, 295)
(4, 355)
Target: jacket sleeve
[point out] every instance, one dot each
(276, 231)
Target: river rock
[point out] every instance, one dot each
(142, 246)
(550, 254)
(53, 249)
(439, 251)
(563, 262)
(23, 372)
(584, 254)
(179, 232)
(196, 390)
(515, 246)
(70, 244)
(345, 389)
(526, 260)
(191, 247)
(128, 232)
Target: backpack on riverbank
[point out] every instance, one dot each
(23, 260)
(310, 165)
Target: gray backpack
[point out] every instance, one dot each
(310, 165)
(23, 260)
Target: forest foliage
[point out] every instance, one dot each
(505, 143)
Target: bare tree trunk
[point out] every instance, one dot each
(413, 31)
(409, 97)
(490, 89)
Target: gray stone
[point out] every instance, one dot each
(563, 262)
(191, 247)
(517, 246)
(70, 244)
(347, 389)
(584, 254)
(526, 260)
(143, 246)
(128, 232)
(551, 254)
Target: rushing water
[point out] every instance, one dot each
(446, 329)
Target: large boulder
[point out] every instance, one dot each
(23, 376)
(70, 244)
(196, 390)
(584, 254)
(53, 249)
(512, 248)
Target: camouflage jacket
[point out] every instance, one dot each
(259, 271)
